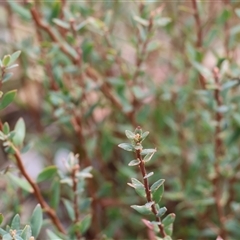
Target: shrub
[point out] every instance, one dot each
(90, 70)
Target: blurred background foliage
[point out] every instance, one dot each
(91, 69)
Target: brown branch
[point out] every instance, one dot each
(148, 192)
(219, 151)
(226, 30)
(44, 26)
(36, 190)
(51, 213)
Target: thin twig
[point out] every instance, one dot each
(36, 191)
(51, 212)
(44, 26)
(148, 192)
(219, 151)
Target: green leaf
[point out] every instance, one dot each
(26, 233)
(162, 21)
(138, 186)
(229, 84)
(2, 232)
(129, 134)
(85, 223)
(69, 208)
(20, 182)
(61, 23)
(157, 194)
(148, 157)
(144, 135)
(147, 151)
(127, 147)
(14, 57)
(6, 128)
(148, 175)
(157, 184)
(55, 189)
(146, 210)
(203, 70)
(15, 225)
(12, 66)
(52, 235)
(36, 220)
(7, 237)
(7, 99)
(20, 131)
(6, 77)
(142, 21)
(168, 223)
(134, 162)
(169, 219)
(17, 8)
(47, 173)
(6, 60)
(161, 212)
(1, 218)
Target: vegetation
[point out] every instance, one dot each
(74, 75)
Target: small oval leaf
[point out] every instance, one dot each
(14, 57)
(7, 99)
(134, 162)
(1, 218)
(26, 233)
(20, 131)
(15, 225)
(6, 60)
(36, 220)
(126, 147)
(47, 173)
(148, 175)
(147, 151)
(20, 182)
(129, 134)
(157, 184)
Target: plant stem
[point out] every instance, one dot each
(199, 37)
(219, 151)
(36, 191)
(148, 192)
(75, 198)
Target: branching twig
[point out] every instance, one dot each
(36, 191)
(44, 26)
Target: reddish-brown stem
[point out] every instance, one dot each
(44, 26)
(75, 198)
(198, 24)
(148, 192)
(199, 37)
(36, 191)
(226, 31)
(219, 151)
(51, 213)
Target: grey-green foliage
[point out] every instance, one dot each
(156, 190)
(6, 64)
(17, 231)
